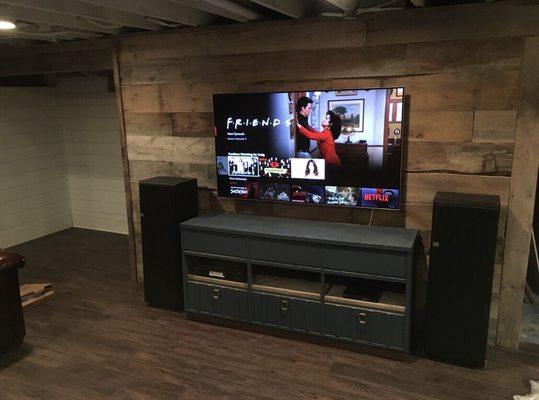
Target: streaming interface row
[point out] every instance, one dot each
(301, 180)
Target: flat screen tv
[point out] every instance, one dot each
(340, 148)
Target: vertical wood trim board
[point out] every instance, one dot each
(521, 200)
(125, 161)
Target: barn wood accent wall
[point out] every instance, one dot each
(461, 67)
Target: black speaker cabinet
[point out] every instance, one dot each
(164, 203)
(462, 254)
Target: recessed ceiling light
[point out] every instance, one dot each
(6, 25)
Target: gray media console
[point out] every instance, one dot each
(348, 282)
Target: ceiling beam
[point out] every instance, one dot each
(159, 9)
(53, 19)
(346, 5)
(84, 10)
(292, 8)
(206, 7)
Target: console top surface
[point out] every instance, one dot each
(380, 237)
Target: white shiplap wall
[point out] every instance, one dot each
(90, 127)
(34, 198)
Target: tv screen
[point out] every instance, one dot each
(340, 148)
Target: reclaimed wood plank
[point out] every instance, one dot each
(170, 124)
(254, 38)
(494, 126)
(198, 97)
(162, 148)
(466, 158)
(461, 90)
(148, 124)
(309, 64)
(79, 61)
(440, 126)
(449, 55)
(144, 169)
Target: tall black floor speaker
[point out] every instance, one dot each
(462, 256)
(164, 203)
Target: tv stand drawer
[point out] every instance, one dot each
(286, 312)
(364, 326)
(218, 300)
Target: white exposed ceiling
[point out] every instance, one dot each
(64, 20)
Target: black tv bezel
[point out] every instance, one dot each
(404, 128)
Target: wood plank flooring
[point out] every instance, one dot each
(96, 339)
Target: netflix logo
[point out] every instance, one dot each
(377, 197)
(380, 198)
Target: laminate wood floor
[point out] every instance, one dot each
(97, 340)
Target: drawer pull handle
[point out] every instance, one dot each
(362, 318)
(284, 305)
(216, 294)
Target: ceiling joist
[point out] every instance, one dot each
(230, 7)
(212, 9)
(159, 9)
(52, 19)
(89, 11)
(291, 8)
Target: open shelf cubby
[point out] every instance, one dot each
(361, 292)
(287, 282)
(217, 271)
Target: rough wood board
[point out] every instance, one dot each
(462, 90)
(80, 61)
(468, 21)
(422, 187)
(198, 97)
(494, 126)
(30, 303)
(179, 97)
(467, 158)
(308, 64)
(521, 201)
(170, 124)
(34, 289)
(440, 126)
(125, 159)
(63, 47)
(432, 57)
(254, 38)
(204, 173)
(34, 294)
(148, 124)
(163, 148)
